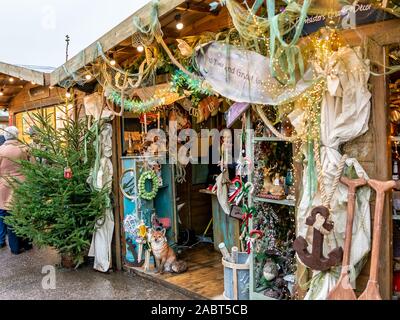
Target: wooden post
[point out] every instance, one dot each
(382, 150)
(119, 243)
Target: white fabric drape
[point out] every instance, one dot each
(100, 247)
(345, 112)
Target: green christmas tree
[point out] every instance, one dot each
(48, 208)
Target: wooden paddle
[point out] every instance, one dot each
(343, 289)
(371, 292)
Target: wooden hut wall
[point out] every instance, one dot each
(373, 149)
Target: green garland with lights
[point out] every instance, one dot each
(136, 106)
(143, 193)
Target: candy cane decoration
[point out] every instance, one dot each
(238, 184)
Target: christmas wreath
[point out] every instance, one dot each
(143, 193)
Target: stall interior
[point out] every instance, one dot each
(199, 224)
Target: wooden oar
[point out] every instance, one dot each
(343, 289)
(371, 292)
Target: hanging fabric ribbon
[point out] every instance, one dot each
(286, 55)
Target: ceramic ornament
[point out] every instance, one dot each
(270, 270)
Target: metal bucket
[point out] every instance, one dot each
(236, 278)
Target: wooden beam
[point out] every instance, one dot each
(197, 8)
(118, 34)
(22, 73)
(383, 33)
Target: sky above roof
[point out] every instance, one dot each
(33, 32)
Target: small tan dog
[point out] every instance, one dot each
(164, 255)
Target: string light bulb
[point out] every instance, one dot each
(68, 95)
(11, 79)
(179, 24)
(140, 48)
(1, 92)
(113, 62)
(88, 77)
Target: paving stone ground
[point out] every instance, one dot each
(21, 279)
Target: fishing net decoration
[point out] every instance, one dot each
(145, 36)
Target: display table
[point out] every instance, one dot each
(225, 228)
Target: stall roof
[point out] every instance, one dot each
(110, 40)
(117, 42)
(13, 79)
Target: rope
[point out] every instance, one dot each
(271, 127)
(318, 224)
(160, 40)
(327, 198)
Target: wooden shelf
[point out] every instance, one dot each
(284, 202)
(206, 191)
(270, 139)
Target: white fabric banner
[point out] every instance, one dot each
(244, 76)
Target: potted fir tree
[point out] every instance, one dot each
(55, 206)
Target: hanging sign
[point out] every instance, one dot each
(37, 93)
(244, 76)
(349, 17)
(234, 112)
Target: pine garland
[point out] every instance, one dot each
(136, 106)
(182, 82)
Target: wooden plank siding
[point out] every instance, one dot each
(373, 149)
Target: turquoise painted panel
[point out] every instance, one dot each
(163, 205)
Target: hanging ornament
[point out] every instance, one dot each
(237, 182)
(68, 173)
(143, 193)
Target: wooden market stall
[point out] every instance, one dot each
(188, 206)
(373, 149)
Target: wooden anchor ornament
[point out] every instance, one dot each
(320, 223)
(343, 289)
(371, 292)
(315, 259)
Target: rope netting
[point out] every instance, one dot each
(274, 33)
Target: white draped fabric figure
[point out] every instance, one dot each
(101, 176)
(345, 112)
